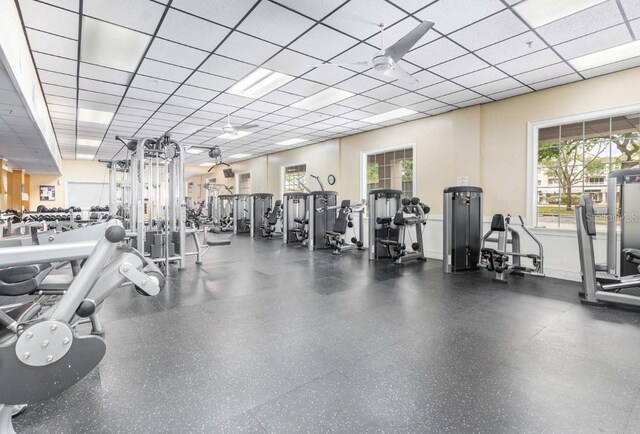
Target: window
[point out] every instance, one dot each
(575, 155)
(294, 178)
(245, 183)
(391, 169)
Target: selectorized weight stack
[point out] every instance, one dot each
(242, 213)
(259, 204)
(226, 203)
(462, 223)
(383, 204)
(294, 222)
(321, 220)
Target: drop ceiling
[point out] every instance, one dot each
(195, 50)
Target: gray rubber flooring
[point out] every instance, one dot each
(270, 338)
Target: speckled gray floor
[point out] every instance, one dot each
(268, 338)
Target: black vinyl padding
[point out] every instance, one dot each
(497, 223)
(301, 221)
(632, 255)
(22, 280)
(383, 220)
(398, 219)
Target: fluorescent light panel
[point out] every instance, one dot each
(239, 156)
(291, 142)
(387, 116)
(88, 142)
(323, 98)
(541, 12)
(85, 156)
(237, 135)
(195, 151)
(205, 164)
(94, 116)
(111, 46)
(259, 83)
(604, 57)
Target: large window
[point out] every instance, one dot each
(575, 158)
(391, 169)
(294, 178)
(244, 183)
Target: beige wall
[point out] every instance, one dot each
(72, 170)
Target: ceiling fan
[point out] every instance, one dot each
(233, 130)
(386, 61)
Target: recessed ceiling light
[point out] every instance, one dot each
(387, 116)
(85, 156)
(291, 142)
(112, 46)
(259, 83)
(604, 57)
(237, 135)
(94, 116)
(205, 164)
(239, 156)
(541, 12)
(88, 142)
(323, 98)
(195, 151)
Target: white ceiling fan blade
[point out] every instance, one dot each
(404, 44)
(339, 64)
(400, 74)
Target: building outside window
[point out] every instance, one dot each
(294, 178)
(391, 169)
(573, 156)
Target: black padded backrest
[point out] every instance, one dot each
(398, 219)
(278, 204)
(588, 216)
(340, 226)
(345, 203)
(497, 223)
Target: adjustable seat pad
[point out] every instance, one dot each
(23, 279)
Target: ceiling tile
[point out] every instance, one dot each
(474, 101)
(264, 107)
(631, 8)
(393, 33)
(449, 15)
(141, 15)
(497, 86)
(232, 100)
(196, 92)
(191, 30)
(51, 89)
(100, 86)
(359, 84)
(511, 48)
(274, 23)
(176, 54)
(407, 99)
(154, 84)
(50, 19)
(425, 78)
(323, 43)
(329, 75)
(315, 9)
(302, 87)
(545, 73)
(56, 78)
(360, 18)
(512, 92)
(247, 49)
(291, 112)
(55, 64)
(357, 101)
(290, 62)
(434, 53)
(221, 11)
(59, 100)
(97, 106)
(532, 61)
(282, 98)
(104, 74)
(612, 67)
(557, 81)
(385, 92)
(139, 104)
(593, 42)
(185, 102)
(501, 26)
(99, 97)
(459, 66)
(51, 44)
(457, 97)
(210, 82)
(71, 5)
(381, 107)
(444, 109)
(226, 67)
(334, 110)
(152, 68)
(480, 77)
(582, 23)
(444, 88)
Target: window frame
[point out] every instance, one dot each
(283, 171)
(381, 150)
(532, 152)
